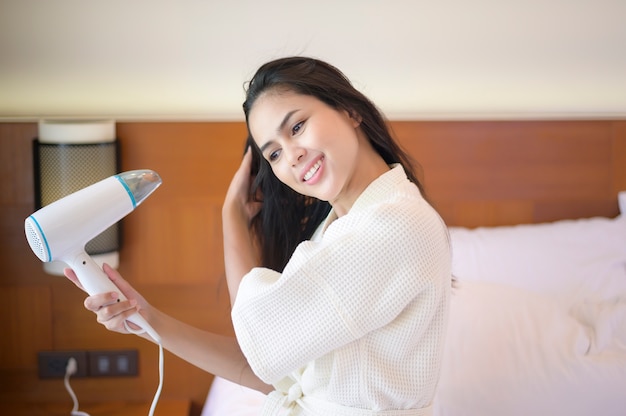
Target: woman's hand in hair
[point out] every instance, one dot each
(238, 202)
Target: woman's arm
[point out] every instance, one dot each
(216, 354)
(241, 252)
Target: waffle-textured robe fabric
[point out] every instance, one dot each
(358, 316)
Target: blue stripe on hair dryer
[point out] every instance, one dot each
(60, 230)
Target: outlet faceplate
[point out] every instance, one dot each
(105, 363)
(53, 364)
(113, 363)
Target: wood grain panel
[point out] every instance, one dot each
(16, 157)
(182, 219)
(512, 167)
(185, 241)
(194, 159)
(20, 265)
(27, 323)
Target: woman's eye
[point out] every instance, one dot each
(273, 155)
(296, 128)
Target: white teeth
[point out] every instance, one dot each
(312, 171)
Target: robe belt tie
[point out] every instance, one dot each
(284, 404)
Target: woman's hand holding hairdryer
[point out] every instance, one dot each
(109, 311)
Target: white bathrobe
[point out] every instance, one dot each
(355, 324)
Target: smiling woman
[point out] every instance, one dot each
(364, 287)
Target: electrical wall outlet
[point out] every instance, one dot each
(105, 363)
(117, 363)
(53, 364)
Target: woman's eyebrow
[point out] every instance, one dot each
(281, 126)
(285, 120)
(266, 145)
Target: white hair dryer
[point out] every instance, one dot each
(60, 230)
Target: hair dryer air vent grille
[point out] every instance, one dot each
(34, 240)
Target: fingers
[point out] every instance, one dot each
(110, 271)
(119, 281)
(113, 274)
(247, 159)
(238, 202)
(245, 168)
(115, 322)
(96, 302)
(69, 273)
(116, 311)
(110, 311)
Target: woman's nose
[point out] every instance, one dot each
(295, 155)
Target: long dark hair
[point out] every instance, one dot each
(287, 217)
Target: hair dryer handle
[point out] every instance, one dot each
(95, 281)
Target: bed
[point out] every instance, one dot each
(538, 310)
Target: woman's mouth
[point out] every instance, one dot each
(313, 170)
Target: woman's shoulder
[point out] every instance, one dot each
(405, 213)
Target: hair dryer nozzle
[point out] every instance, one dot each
(139, 184)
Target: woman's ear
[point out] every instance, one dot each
(355, 117)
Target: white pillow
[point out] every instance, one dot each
(515, 352)
(583, 258)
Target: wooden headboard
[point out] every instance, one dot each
(497, 173)
(476, 173)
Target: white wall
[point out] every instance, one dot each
(188, 59)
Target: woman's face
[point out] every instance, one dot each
(313, 148)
